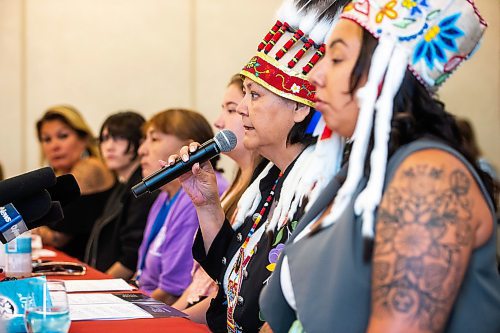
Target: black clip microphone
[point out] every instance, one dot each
(223, 141)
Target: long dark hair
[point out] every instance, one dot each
(417, 114)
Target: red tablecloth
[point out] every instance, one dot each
(163, 325)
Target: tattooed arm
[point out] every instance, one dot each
(430, 219)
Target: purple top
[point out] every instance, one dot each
(169, 259)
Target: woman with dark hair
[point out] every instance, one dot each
(115, 238)
(69, 146)
(277, 112)
(402, 241)
(165, 259)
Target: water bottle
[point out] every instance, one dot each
(18, 256)
(3, 258)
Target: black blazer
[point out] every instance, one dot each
(79, 218)
(117, 233)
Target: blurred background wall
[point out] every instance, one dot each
(148, 55)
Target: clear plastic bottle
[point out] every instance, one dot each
(18, 256)
(3, 258)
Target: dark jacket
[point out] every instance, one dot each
(79, 218)
(260, 267)
(117, 233)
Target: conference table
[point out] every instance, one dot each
(163, 325)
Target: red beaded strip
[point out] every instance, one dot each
(298, 35)
(269, 35)
(320, 52)
(276, 37)
(234, 286)
(300, 53)
(258, 217)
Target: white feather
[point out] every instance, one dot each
(369, 199)
(308, 21)
(367, 97)
(250, 199)
(290, 184)
(320, 30)
(321, 167)
(288, 13)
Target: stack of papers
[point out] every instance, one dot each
(118, 306)
(102, 307)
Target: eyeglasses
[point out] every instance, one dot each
(58, 268)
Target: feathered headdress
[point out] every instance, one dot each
(284, 57)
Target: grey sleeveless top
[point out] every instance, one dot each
(332, 283)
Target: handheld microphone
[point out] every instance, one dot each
(223, 141)
(25, 185)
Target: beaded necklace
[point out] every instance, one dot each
(239, 268)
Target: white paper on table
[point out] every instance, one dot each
(42, 253)
(102, 307)
(98, 298)
(106, 311)
(97, 285)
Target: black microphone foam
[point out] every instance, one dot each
(223, 141)
(25, 185)
(54, 215)
(29, 209)
(65, 190)
(33, 207)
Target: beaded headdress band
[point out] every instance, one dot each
(289, 50)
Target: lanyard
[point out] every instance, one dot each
(155, 229)
(236, 279)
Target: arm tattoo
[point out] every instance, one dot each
(422, 230)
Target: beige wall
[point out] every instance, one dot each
(12, 120)
(102, 56)
(473, 91)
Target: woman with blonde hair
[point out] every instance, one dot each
(68, 146)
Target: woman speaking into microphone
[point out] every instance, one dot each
(165, 258)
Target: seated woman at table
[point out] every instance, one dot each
(68, 145)
(277, 114)
(196, 299)
(405, 242)
(165, 258)
(117, 234)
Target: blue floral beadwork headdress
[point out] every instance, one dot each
(438, 34)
